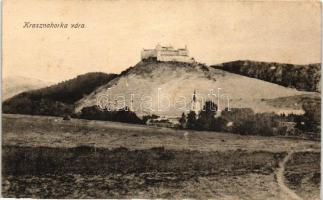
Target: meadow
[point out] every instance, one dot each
(48, 157)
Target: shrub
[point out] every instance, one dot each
(122, 115)
(149, 117)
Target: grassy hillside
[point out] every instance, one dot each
(141, 84)
(301, 77)
(294, 102)
(56, 99)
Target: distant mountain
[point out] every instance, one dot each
(143, 84)
(301, 77)
(13, 85)
(56, 99)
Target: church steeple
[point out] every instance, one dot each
(194, 102)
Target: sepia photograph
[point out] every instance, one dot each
(141, 99)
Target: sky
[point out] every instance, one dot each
(116, 31)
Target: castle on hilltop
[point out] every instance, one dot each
(166, 53)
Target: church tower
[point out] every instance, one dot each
(195, 106)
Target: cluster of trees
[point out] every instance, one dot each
(310, 121)
(301, 77)
(122, 115)
(29, 105)
(56, 100)
(245, 122)
(205, 120)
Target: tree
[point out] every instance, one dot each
(182, 121)
(191, 120)
(312, 117)
(206, 119)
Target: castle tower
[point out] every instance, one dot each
(158, 46)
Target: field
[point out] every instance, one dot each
(46, 157)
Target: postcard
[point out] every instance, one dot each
(185, 99)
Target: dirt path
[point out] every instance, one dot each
(287, 193)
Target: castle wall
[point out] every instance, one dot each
(148, 53)
(166, 54)
(183, 52)
(175, 58)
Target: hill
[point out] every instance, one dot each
(56, 99)
(13, 85)
(294, 102)
(301, 77)
(149, 87)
